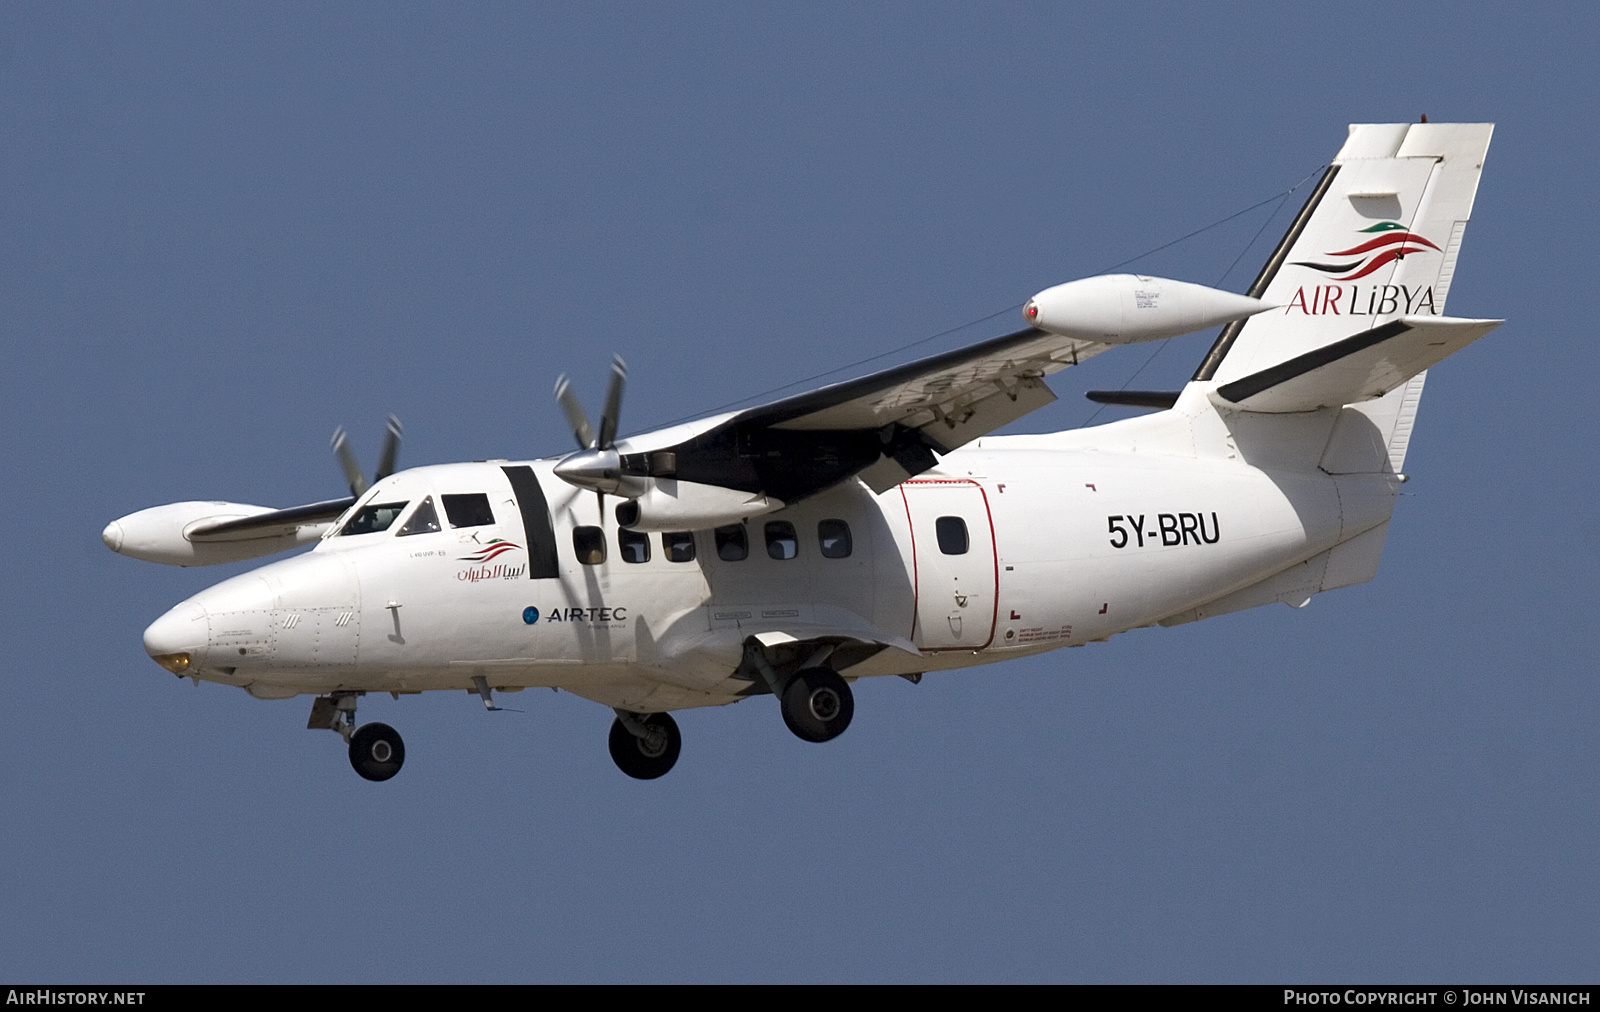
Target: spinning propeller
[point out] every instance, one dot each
(596, 465)
(386, 460)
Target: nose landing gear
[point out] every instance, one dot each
(376, 750)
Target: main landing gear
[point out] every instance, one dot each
(644, 745)
(817, 704)
(376, 750)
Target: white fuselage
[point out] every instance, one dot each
(1062, 546)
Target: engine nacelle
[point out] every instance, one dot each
(673, 505)
(1128, 308)
(161, 534)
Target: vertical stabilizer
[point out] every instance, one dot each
(1377, 241)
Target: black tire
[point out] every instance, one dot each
(638, 757)
(376, 751)
(817, 704)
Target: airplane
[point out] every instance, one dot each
(872, 527)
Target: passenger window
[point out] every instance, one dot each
(782, 542)
(424, 521)
(678, 546)
(470, 510)
(634, 546)
(952, 533)
(590, 545)
(374, 518)
(732, 545)
(834, 537)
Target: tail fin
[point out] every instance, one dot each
(1362, 275)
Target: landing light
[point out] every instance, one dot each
(175, 663)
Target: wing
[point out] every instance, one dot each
(884, 427)
(275, 524)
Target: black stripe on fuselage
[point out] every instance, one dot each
(537, 529)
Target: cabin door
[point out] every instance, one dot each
(956, 569)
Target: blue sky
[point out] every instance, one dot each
(226, 230)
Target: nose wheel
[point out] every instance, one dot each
(376, 750)
(817, 704)
(644, 745)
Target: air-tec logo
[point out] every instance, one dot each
(591, 616)
(1392, 241)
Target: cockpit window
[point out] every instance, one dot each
(468, 510)
(424, 521)
(374, 518)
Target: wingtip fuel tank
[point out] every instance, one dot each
(1129, 308)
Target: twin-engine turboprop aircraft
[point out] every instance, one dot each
(872, 527)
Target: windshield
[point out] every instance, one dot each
(374, 518)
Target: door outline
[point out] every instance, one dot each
(916, 578)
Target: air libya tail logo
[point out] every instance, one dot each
(495, 547)
(1392, 242)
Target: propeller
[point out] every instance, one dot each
(386, 459)
(596, 465)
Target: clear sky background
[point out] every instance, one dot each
(225, 230)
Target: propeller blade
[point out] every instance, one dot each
(602, 496)
(391, 450)
(347, 461)
(581, 430)
(608, 418)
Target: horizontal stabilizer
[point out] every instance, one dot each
(1358, 368)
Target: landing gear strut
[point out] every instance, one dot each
(376, 751)
(644, 745)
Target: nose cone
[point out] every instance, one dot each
(112, 536)
(176, 639)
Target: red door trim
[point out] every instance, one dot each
(994, 551)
